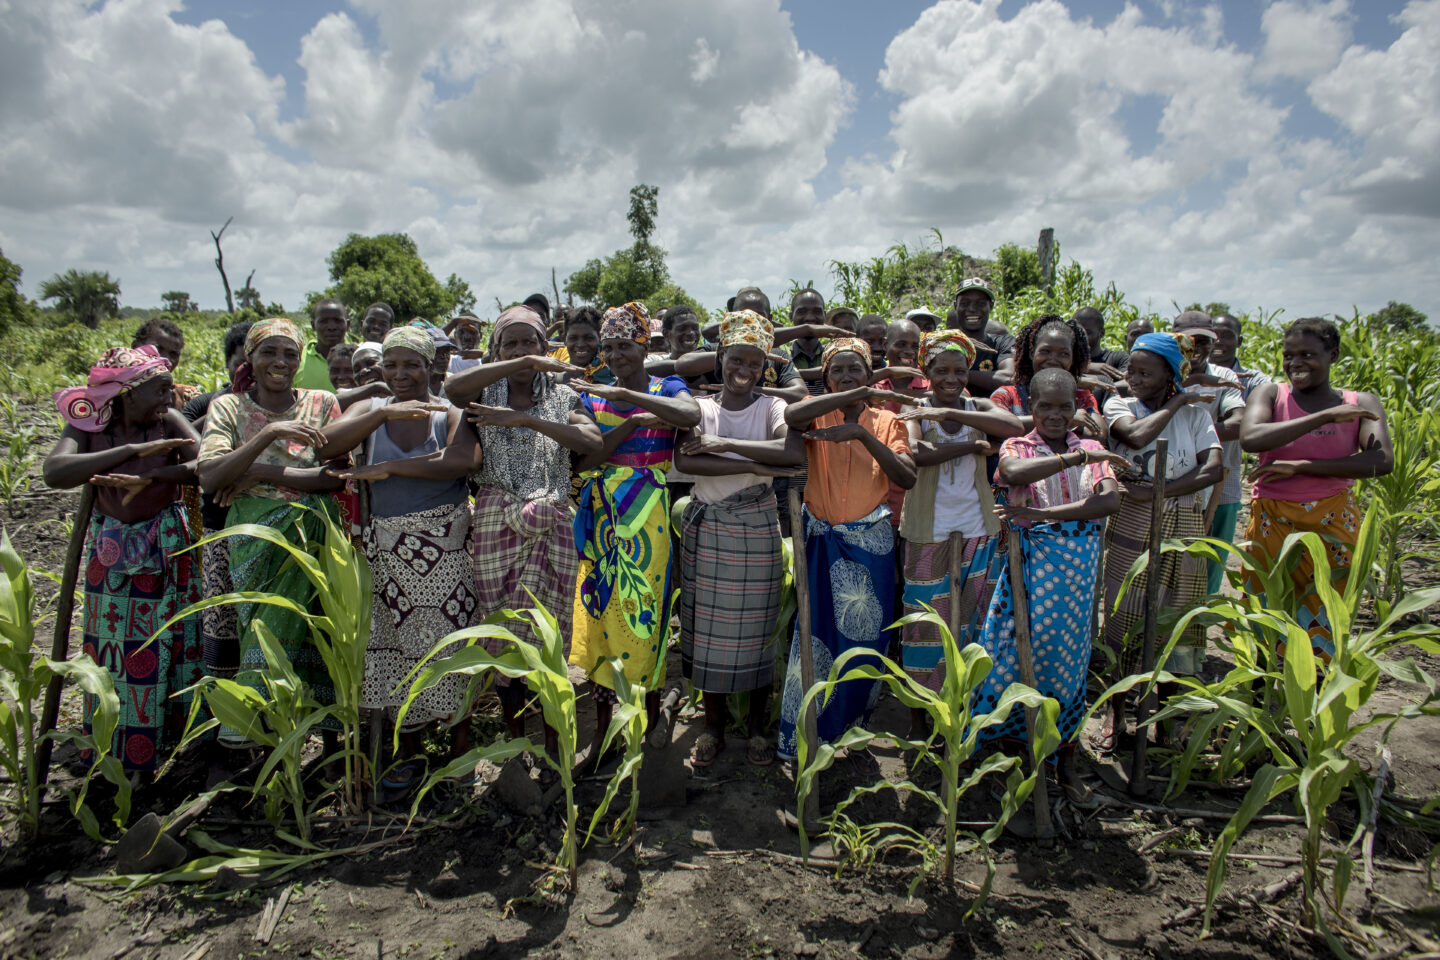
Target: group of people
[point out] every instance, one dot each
(632, 475)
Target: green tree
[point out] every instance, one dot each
(178, 301)
(461, 293)
(88, 296)
(1017, 268)
(14, 307)
(384, 267)
(672, 295)
(1400, 317)
(634, 273)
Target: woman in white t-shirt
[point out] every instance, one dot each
(1158, 407)
(730, 551)
(951, 437)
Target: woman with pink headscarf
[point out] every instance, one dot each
(123, 437)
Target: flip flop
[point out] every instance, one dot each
(1104, 742)
(707, 742)
(759, 752)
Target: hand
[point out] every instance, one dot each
(1246, 375)
(704, 443)
(297, 430)
(710, 388)
(926, 413)
(902, 372)
(1349, 411)
(827, 332)
(771, 470)
(413, 410)
(547, 364)
(1106, 456)
(648, 420)
(1275, 470)
(779, 358)
(875, 393)
(225, 496)
(1206, 380)
(605, 391)
(1137, 489)
(1010, 513)
(483, 416)
(153, 448)
(1183, 398)
(131, 483)
(840, 433)
(1104, 370)
(371, 472)
(1091, 383)
(1085, 421)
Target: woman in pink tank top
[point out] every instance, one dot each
(1314, 441)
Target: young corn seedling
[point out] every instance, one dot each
(953, 740)
(24, 675)
(629, 721)
(1304, 729)
(544, 671)
(283, 721)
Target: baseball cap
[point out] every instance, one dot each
(975, 283)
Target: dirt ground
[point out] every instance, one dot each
(716, 871)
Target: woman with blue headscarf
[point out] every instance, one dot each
(1158, 407)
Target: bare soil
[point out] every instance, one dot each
(716, 871)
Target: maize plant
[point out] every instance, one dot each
(953, 740)
(24, 675)
(1307, 712)
(283, 721)
(544, 671)
(628, 720)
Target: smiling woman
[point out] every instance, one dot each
(855, 451)
(123, 436)
(257, 457)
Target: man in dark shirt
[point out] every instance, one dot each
(994, 366)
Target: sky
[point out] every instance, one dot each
(1281, 154)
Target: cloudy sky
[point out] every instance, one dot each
(1280, 154)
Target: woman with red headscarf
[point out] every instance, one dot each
(123, 436)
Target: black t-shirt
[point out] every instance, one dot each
(1118, 359)
(1002, 343)
(195, 408)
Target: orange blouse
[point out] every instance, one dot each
(845, 482)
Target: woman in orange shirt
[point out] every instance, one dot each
(855, 451)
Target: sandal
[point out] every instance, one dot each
(759, 752)
(707, 748)
(1104, 742)
(404, 777)
(1081, 797)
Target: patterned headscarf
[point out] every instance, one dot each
(748, 328)
(934, 344)
(367, 349)
(411, 338)
(119, 370)
(630, 322)
(525, 317)
(844, 345)
(1168, 347)
(274, 327)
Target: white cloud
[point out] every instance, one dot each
(505, 137)
(1302, 38)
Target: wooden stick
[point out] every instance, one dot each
(1214, 504)
(64, 614)
(1043, 828)
(809, 724)
(957, 548)
(1139, 777)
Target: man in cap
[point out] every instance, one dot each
(995, 357)
(923, 318)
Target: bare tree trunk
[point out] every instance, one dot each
(1046, 253)
(220, 265)
(555, 286)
